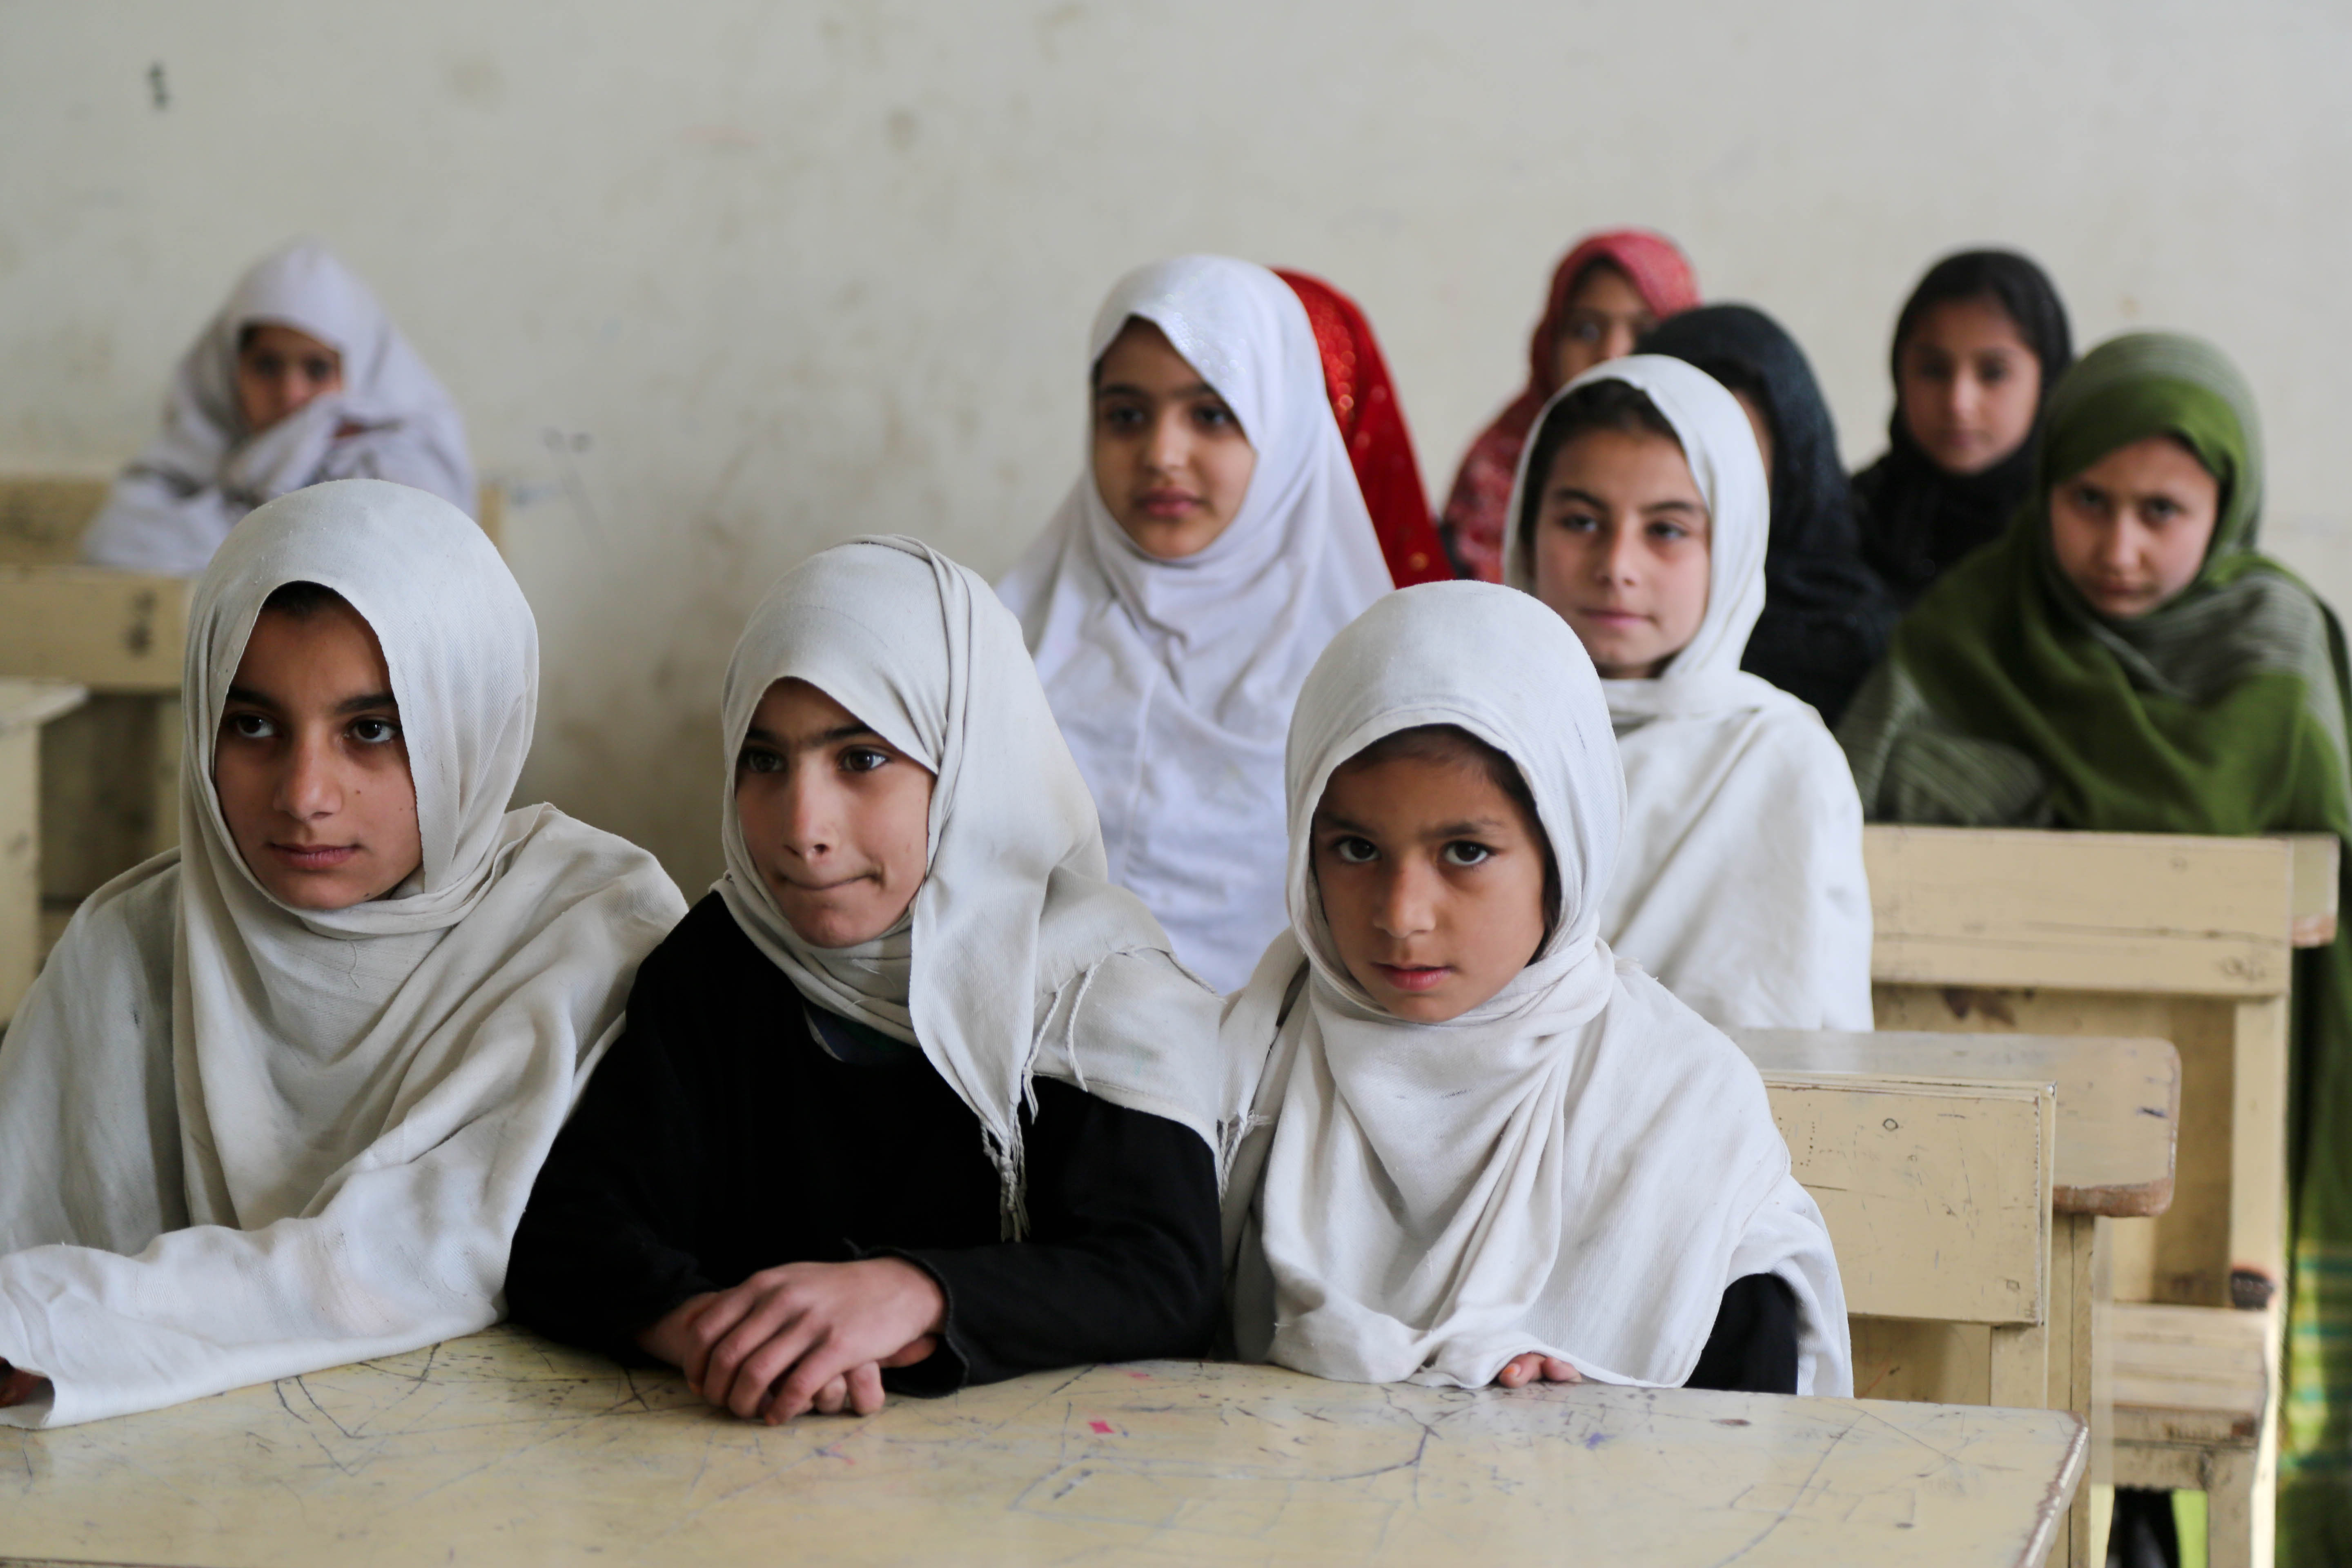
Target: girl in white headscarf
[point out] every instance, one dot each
(916, 1090)
(243, 1137)
(1213, 544)
(1461, 1164)
(1641, 516)
(300, 378)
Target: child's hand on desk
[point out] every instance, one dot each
(804, 1336)
(1522, 1370)
(17, 1385)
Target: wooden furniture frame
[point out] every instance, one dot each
(25, 707)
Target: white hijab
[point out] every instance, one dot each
(240, 1142)
(1581, 1165)
(1016, 928)
(177, 501)
(1740, 878)
(1175, 680)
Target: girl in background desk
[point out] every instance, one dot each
(2124, 659)
(1214, 542)
(1605, 293)
(916, 1098)
(1478, 1148)
(1979, 346)
(300, 378)
(1640, 519)
(276, 1100)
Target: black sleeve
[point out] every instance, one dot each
(1753, 1349)
(603, 1248)
(1121, 1261)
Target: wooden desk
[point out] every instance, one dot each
(24, 707)
(501, 1449)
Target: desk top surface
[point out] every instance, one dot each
(24, 702)
(2118, 1099)
(502, 1449)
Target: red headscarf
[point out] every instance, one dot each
(1473, 522)
(1372, 425)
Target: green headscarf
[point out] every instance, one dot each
(2006, 699)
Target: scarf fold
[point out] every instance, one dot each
(1476, 514)
(239, 1141)
(1579, 1165)
(391, 420)
(1017, 956)
(1739, 883)
(2006, 697)
(1916, 519)
(1174, 679)
(1826, 615)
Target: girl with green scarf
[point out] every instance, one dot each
(2053, 678)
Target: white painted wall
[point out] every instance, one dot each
(719, 282)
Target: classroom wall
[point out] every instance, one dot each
(717, 284)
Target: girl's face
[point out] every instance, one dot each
(1620, 548)
(279, 370)
(310, 766)
(1604, 314)
(835, 817)
(2131, 531)
(1432, 883)
(1969, 385)
(1170, 461)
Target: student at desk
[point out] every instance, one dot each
(2124, 659)
(276, 1100)
(1479, 1147)
(301, 378)
(917, 1098)
(1640, 518)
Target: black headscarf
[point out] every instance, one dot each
(1826, 615)
(1916, 519)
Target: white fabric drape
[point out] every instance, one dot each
(239, 1141)
(176, 501)
(1174, 681)
(1018, 956)
(1581, 1165)
(1740, 878)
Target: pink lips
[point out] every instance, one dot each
(314, 856)
(1167, 503)
(1414, 977)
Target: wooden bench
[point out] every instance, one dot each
(110, 773)
(502, 1449)
(25, 706)
(2186, 938)
(2117, 1103)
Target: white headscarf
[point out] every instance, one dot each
(1015, 928)
(1579, 1165)
(1175, 680)
(316, 1131)
(1739, 879)
(177, 501)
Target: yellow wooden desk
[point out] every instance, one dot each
(24, 707)
(502, 1450)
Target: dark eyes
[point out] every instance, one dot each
(1668, 530)
(758, 760)
(1350, 850)
(375, 732)
(1466, 852)
(250, 727)
(270, 367)
(863, 759)
(371, 731)
(1133, 416)
(1353, 852)
(1214, 417)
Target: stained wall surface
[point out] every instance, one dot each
(719, 284)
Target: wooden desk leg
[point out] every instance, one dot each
(167, 775)
(20, 863)
(2081, 1368)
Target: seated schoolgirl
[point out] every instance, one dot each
(1640, 520)
(300, 378)
(2124, 659)
(1605, 293)
(1826, 615)
(1216, 542)
(1480, 1148)
(1372, 427)
(915, 1096)
(1979, 345)
(277, 1097)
